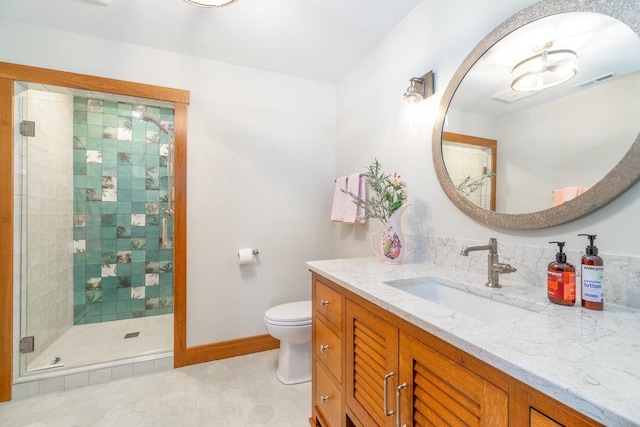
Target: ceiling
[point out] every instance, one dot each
(315, 39)
(605, 47)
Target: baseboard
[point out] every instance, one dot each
(232, 348)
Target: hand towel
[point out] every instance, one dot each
(340, 200)
(353, 187)
(567, 193)
(362, 193)
(558, 197)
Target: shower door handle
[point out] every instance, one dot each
(164, 239)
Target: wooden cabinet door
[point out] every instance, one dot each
(442, 392)
(371, 353)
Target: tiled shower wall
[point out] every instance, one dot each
(120, 194)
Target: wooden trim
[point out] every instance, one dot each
(8, 74)
(6, 241)
(101, 84)
(232, 348)
(492, 144)
(180, 237)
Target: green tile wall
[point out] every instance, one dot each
(120, 192)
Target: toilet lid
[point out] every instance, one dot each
(292, 312)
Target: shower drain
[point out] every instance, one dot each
(131, 335)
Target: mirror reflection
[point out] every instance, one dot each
(471, 162)
(557, 142)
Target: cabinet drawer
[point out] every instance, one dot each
(328, 349)
(328, 397)
(329, 303)
(538, 419)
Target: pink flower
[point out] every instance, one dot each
(396, 179)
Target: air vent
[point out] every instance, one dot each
(131, 335)
(595, 81)
(509, 96)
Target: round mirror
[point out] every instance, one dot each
(539, 125)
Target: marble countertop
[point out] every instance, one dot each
(589, 360)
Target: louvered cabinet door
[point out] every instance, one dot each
(441, 392)
(372, 353)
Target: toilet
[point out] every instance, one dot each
(291, 324)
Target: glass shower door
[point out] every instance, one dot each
(45, 162)
(94, 193)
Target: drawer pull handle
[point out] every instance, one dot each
(324, 302)
(323, 399)
(398, 403)
(324, 347)
(385, 383)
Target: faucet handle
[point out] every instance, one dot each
(503, 268)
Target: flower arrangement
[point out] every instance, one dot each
(387, 193)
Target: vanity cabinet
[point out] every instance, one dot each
(328, 354)
(371, 361)
(538, 419)
(439, 391)
(386, 371)
(420, 385)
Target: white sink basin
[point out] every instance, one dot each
(467, 303)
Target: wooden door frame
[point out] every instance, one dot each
(492, 144)
(9, 73)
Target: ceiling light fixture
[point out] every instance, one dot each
(211, 3)
(420, 88)
(547, 69)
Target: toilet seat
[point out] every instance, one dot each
(290, 314)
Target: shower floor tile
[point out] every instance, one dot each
(240, 391)
(95, 343)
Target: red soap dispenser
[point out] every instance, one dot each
(561, 279)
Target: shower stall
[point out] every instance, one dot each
(93, 227)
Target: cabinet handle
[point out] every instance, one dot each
(324, 302)
(398, 390)
(324, 347)
(385, 407)
(323, 399)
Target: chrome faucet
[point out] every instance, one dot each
(495, 268)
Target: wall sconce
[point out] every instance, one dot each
(420, 88)
(412, 114)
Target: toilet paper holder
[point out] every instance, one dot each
(247, 256)
(253, 251)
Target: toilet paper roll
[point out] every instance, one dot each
(245, 256)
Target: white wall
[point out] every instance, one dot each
(260, 170)
(438, 36)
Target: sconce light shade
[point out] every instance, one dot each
(420, 88)
(547, 69)
(211, 3)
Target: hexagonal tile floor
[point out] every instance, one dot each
(240, 391)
